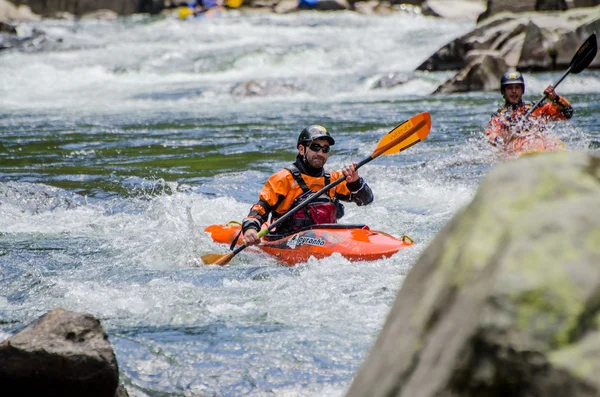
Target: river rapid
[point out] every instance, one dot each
(122, 141)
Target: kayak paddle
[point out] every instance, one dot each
(581, 60)
(407, 134)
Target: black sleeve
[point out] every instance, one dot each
(361, 193)
(565, 107)
(250, 223)
(254, 220)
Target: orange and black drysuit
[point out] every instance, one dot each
(292, 185)
(507, 128)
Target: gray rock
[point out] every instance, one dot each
(62, 354)
(10, 12)
(285, 6)
(365, 7)
(80, 7)
(454, 9)
(551, 5)
(263, 88)
(411, 2)
(263, 3)
(391, 80)
(538, 51)
(497, 6)
(101, 15)
(121, 392)
(36, 41)
(504, 301)
(482, 73)
(586, 3)
(7, 29)
(332, 5)
(528, 41)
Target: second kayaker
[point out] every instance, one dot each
(508, 129)
(289, 187)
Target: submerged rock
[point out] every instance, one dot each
(391, 80)
(504, 301)
(263, 88)
(34, 41)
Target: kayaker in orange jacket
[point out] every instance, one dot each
(290, 186)
(509, 130)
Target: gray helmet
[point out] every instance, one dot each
(313, 132)
(512, 78)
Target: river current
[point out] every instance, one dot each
(121, 141)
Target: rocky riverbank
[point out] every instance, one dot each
(528, 42)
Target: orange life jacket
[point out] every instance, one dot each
(284, 190)
(322, 210)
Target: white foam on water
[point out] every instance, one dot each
(573, 83)
(107, 66)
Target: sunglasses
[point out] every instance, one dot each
(315, 147)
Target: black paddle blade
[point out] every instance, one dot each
(585, 55)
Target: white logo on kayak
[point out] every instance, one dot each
(298, 241)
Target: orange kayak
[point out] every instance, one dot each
(353, 242)
(533, 143)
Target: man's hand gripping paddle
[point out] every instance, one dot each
(581, 60)
(407, 134)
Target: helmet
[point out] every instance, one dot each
(313, 132)
(512, 78)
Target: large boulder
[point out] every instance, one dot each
(482, 73)
(505, 300)
(493, 35)
(528, 41)
(538, 51)
(62, 354)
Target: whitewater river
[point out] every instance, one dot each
(121, 141)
